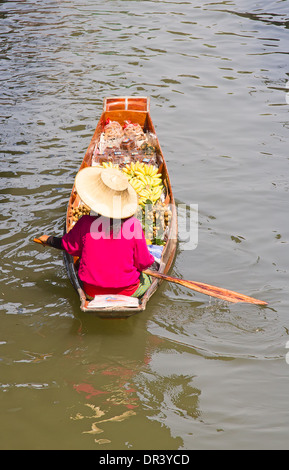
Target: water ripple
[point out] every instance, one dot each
(216, 73)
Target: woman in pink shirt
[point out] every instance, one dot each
(111, 245)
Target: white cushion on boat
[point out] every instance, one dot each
(112, 301)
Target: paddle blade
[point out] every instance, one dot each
(221, 293)
(213, 291)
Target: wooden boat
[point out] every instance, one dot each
(123, 110)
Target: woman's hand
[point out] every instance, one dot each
(42, 240)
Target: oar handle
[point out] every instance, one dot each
(36, 240)
(41, 240)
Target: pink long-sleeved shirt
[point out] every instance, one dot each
(108, 260)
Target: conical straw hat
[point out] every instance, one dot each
(107, 192)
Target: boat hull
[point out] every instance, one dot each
(135, 110)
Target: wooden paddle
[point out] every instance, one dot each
(206, 289)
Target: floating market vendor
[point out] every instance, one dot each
(111, 245)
